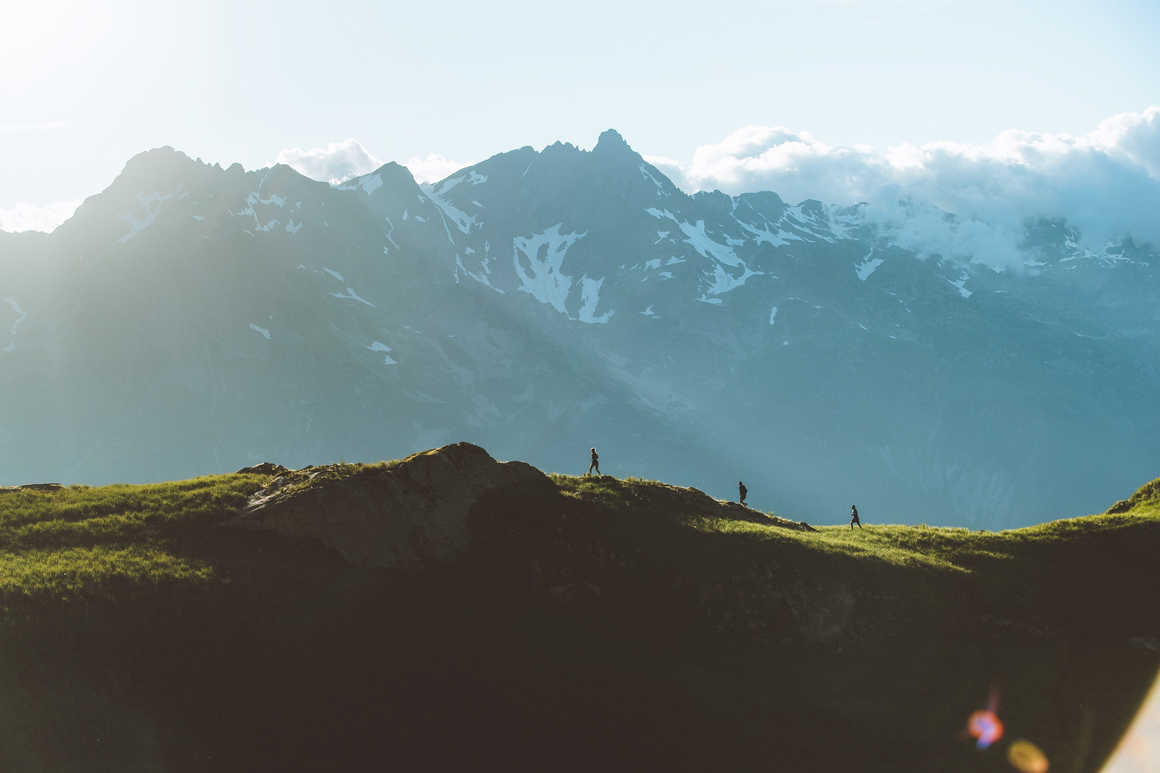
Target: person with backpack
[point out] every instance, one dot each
(854, 519)
(742, 491)
(595, 465)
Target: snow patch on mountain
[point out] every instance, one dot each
(292, 227)
(721, 281)
(539, 270)
(701, 242)
(149, 207)
(696, 236)
(371, 183)
(718, 280)
(438, 196)
(484, 277)
(764, 235)
(772, 314)
(815, 222)
(368, 184)
(589, 298)
(445, 187)
(868, 265)
(960, 285)
(379, 346)
(390, 233)
(351, 295)
(462, 220)
(646, 174)
(21, 314)
(255, 197)
(1107, 256)
(260, 331)
(808, 226)
(648, 312)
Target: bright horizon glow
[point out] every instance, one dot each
(87, 87)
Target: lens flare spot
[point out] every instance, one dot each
(985, 726)
(1026, 757)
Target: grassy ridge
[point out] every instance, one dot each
(103, 542)
(93, 541)
(618, 623)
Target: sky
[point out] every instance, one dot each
(714, 94)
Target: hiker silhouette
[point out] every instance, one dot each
(595, 465)
(854, 519)
(742, 491)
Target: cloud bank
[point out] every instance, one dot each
(340, 161)
(335, 163)
(1105, 183)
(36, 217)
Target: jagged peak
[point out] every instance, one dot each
(163, 160)
(392, 170)
(610, 141)
(561, 147)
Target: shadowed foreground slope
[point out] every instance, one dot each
(549, 622)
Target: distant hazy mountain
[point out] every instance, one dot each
(191, 318)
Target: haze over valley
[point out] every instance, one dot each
(192, 318)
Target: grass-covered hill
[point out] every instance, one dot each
(446, 611)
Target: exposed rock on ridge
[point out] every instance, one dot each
(391, 515)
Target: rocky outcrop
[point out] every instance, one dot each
(395, 514)
(265, 468)
(1149, 493)
(44, 487)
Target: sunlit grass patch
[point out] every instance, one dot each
(88, 572)
(86, 541)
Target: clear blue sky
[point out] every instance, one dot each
(86, 85)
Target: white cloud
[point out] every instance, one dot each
(33, 126)
(432, 167)
(36, 217)
(340, 161)
(1106, 182)
(335, 163)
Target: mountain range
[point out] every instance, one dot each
(192, 317)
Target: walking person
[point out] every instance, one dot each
(595, 465)
(742, 491)
(854, 519)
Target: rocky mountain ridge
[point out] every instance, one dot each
(539, 303)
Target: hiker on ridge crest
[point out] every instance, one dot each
(595, 465)
(854, 519)
(742, 491)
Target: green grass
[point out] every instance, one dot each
(100, 541)
(108, 541)
(706, 635)
(936, 548)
